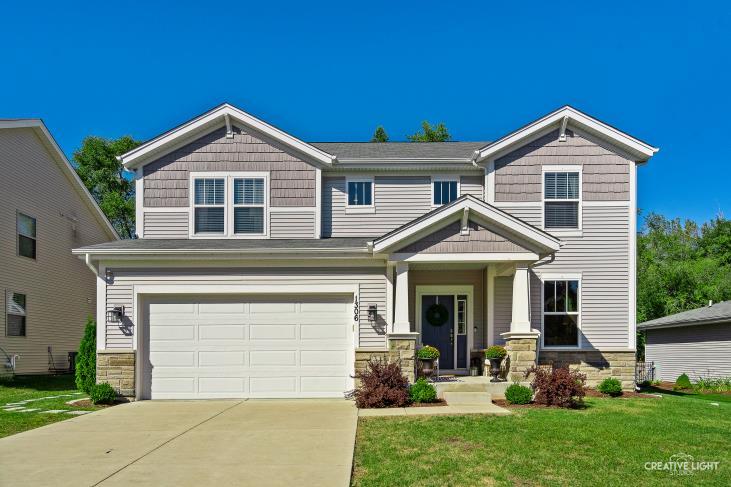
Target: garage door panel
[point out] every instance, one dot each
(273, 385)
(173, 333)
(221, 358)
(174, 307)
(222, 385)
(321, 307)
(271, 307)
(172, 359)
(221, 307)
(273, 332)
(322, 384)
(323, 357)
(278, 358)
(222, 332)
(322, 331)
(175, 385)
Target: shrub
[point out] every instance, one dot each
(682, 382)
(610, 386)
(382, 385)
(711, 384)
(422, 391)
(86, 358)
(427, 352)
(102, 394)
(517, 394)
(496, 351)
(558, 387)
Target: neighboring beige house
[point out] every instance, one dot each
(271, 267)
(45, 211)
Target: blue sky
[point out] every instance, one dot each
(332, 71)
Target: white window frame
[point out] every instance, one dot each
(18, 214)
(228, 211)
(360, 208)
(564, 232)
(561, 277)
(443, 178)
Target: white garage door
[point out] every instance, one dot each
(249, 346)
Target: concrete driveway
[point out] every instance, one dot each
(254, 442)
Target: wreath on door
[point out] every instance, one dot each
(437, 314)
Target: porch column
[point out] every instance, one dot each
(401, 316)
(520, 322)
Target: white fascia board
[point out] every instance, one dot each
(465, 257)
(482, 209)
(45, 135)
(511, 141)
(224, 253)
(137, 157)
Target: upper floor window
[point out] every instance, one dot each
(561, 313)
(444, 191)
(26, 236)
(561, 199)
(15, 315)
(360, 192)
(233, 205)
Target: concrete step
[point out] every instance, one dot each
(467, 398)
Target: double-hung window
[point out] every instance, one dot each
(15, 314)
(561, 313)
(26, 227)
(248, 206)
(210, 206)
(444, 191)
(561, 198)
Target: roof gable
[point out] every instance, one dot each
(563, 118)
(451, 239)
(222, 115)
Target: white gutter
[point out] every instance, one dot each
(87, 261)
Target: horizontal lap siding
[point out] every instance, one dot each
(699, 351)
(166, 225)
(605, 173)
(292, 224)
(472, 185)
(371, 283)
(166, 180)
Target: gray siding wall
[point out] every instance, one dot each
(166, 224)
(605, 173)
(292, 224)
(699, 351)
(450, 240)
(371, 282)
(398, 200)
(503, 307)
(292, 180)
(60, 290)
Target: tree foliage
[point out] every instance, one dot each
(86, 358)
(430, 134)
(102, 174)
(681, 266)
(380, 135)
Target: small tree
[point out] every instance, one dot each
(380, 135)
(86, 358)
(431, 134)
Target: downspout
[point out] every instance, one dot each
(87, 261)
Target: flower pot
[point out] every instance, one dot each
(427, 366)
(495, 369)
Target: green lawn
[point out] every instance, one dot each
(33, 387)
(607, 443)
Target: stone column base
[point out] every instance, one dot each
(522, 355)
(117, 368)
(401, 349)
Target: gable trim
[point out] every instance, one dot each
(571, 117)
(454, 211)
(219, 116)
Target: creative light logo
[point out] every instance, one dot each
(682, 464)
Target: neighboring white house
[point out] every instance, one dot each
(271, 267)
(45, 211)
(695, 342)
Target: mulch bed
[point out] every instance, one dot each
(589, 393)
(86, 403)
(438, 402)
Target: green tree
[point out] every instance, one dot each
(380, 135)
(86, 358)
(103, 175)
(431, 134)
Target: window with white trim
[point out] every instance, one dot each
(561, 193)
(15, 314)
(360, 192)
(461, 314)
(444, 191)
(26, 228)
(209, 206)
(248, 204)
(561, 313)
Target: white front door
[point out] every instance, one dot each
(248, 346)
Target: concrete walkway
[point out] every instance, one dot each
(254, 442)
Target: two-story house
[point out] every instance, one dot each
(271, 267)
(45, 212)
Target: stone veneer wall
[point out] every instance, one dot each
(399, 350)
(521, 357)
(117, 367)
(595, 364)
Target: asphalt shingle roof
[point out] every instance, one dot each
(717, 312)
(403, 150)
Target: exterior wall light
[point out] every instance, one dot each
(115, 314)
(372, 313)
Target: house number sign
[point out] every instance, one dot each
(356, 309)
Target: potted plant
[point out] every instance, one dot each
(427, 355)
(495, 355)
